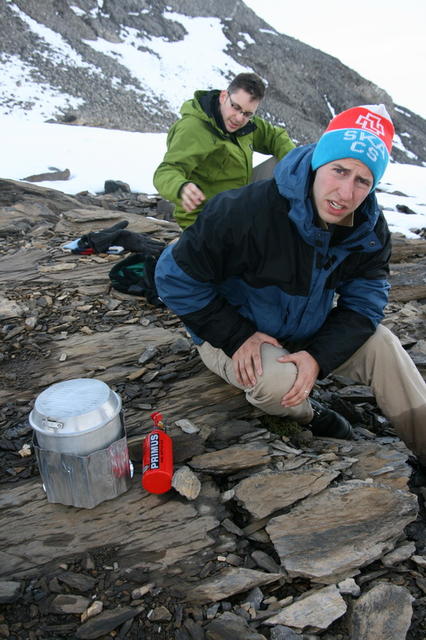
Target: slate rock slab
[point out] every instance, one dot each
(384, 463)
(316, 611)
(152, 531)
(105, 351)
(233, 458)
(229, 582)
(264, 493)
(345, 527)
(106, 622)
(383, 612)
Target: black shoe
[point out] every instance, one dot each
(329, 424)
(418, 476)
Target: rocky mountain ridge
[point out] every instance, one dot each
(68, 49)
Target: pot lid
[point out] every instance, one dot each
(71, 406)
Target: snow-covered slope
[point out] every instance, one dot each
(129, 64)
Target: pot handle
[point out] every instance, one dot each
(52, 425)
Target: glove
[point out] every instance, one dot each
(99, 241)
(140, 243)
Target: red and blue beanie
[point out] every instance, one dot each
(364, 133)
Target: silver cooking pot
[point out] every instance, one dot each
(77, 416)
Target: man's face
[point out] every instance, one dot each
(339, 188)
(237, 108)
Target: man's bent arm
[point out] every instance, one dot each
(188, 144)
(208, 315)
(270, 139)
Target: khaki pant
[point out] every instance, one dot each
(381, 363)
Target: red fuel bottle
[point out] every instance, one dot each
(157, 463)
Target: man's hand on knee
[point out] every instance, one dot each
(307, 373)
(247, 360)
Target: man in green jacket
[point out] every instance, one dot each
(210, 148)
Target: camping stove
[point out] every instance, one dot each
(80, 443)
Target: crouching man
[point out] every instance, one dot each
(256, 280)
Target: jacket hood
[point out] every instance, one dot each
(294, 177)
(193, 107)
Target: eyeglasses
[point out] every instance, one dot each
(238, 109)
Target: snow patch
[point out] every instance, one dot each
(77, 10)
(274, 33)
(329, 106)
(29, 100)
(403, 112)
(398, 144)
(247, 37)
(169, 69)
(59, 51)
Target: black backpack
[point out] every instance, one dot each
(135, 275)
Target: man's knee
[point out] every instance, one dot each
(277, 377)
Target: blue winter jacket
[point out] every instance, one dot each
(256, 261)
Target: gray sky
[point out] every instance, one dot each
(383, 40)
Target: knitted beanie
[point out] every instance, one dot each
(364, 133)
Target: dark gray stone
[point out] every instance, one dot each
(9, 590)
(112, 186)
(229, 626)
(69, 603)
(182, 345)
(106, 621)
(280, 632)
(148, 355)
(78, 581)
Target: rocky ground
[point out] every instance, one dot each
(267, 532)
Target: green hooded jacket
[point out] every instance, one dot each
(199, 151)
